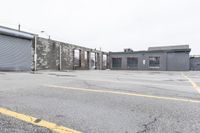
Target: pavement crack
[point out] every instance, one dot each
(87, 84)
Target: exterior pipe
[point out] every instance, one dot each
(35, 54)
(60, 57)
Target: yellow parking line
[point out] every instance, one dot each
(125, 93)
(194, 85)
(38, 122)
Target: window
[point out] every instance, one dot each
(85, 55)
(132, 62)
(154, 61)
(93, 60)
(104, 60)
(116, 62)
(77, 57)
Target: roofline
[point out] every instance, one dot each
(65, 43)
(16, 33)
(153, 51)
(17, 30)
(195, 56)
(170, 47)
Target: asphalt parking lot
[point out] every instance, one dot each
(100, 102)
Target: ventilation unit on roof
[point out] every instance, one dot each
(127, 50)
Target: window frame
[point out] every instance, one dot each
(157, 58)
(120, 66)
(134, 65)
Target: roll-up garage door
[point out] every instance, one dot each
(15, 53)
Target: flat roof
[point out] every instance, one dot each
(154, 51)
(173, 47)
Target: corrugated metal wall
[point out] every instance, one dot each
(178, 61)
(195, 63)
(15, 53)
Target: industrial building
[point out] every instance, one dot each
(168, 58)
(55, 55)
(23, 51)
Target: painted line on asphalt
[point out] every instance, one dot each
(125, 93)
(194, 85)
(39, 122)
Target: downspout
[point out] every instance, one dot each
(166, 61)
(35, 54)
(60, 57)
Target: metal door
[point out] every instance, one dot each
(15, 53)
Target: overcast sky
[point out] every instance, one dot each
(109, 24)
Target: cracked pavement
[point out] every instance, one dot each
(148, 125)
(95, 112)
(10, 125)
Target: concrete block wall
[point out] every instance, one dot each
(82, 58)
(98, 60)
(47, 54)
(66, 57)
(54, 55)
